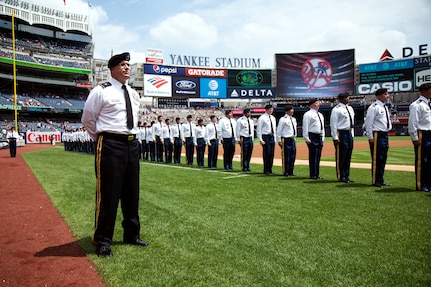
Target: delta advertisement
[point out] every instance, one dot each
(397, 76)
(250, 84)
(315, 75)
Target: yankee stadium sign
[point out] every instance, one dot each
(200, 61)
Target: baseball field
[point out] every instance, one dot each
(217, 228)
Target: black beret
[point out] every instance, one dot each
(425, 87)
(312, 101)
(117, 59)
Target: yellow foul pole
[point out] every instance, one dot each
(14, 71)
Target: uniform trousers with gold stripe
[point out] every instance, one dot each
(423, 161)
(117, 175)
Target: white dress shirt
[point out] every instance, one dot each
(227, 128)
(419, 117)
(377, 119)
(313, 122)
(245, 127)
(105, 110)
(287, 128)
(266, 125)
(342, 118)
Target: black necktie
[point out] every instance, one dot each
(321, 124)
(293, 127)
(249, 127)
(179, 131)
(231, 127)
(191, 131)
(128, 108)
(350, 117)
(272, 127)
(215, 130)
(169, 131)
(387, 117)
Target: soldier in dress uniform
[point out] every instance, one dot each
(342, 123)
(420, 132)
(167, 140)
(212, 138)
(200, 142)
(110, 116)
(178, 142)
(187, 134)
(157, 131)
(151, 143)
(267, 133)
(12, 136)
(245, 133)
(313, 132)
(228, 138)
(377, 125)
(286, 138)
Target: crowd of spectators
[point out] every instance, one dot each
(35, 49)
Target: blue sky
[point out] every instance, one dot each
(257, 28)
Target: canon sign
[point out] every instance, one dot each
(45, 137)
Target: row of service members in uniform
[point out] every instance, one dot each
(78, 141)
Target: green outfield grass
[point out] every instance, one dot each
(216, 228)
(396, 155)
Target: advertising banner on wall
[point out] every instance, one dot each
(249, 78)
(315, 75)
(154, 56)
(422, 76)
(388, 71)
(41, 137)
(157, 86)
(212, 88)
(251, 93)
(396, 76)
(185, 87)
(206, 73)
(164, 70)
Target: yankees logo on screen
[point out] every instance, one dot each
(316, 73)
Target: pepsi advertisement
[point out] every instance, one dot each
(164, 70)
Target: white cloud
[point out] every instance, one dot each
(261, 28)
(185, 30)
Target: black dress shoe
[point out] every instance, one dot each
(425, 189)
(344, 180)
(293, 174)
(316, 177)
(138, 242)
(377, 184)
(349, 180)
(104, 251)
(386, 184)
